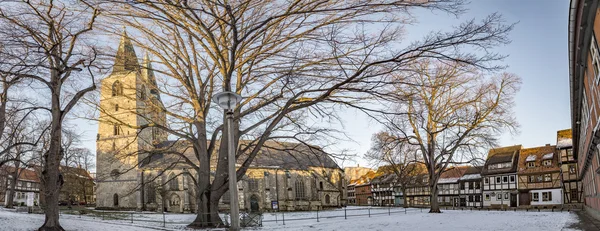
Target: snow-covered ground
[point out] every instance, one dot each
(357, 219)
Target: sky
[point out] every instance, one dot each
(538, 54)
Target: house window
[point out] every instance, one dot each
(462, 185)
(512, 179)
(477, 185)
(116, 107)
(505, 179)
(471, 185)
(497, 180)
(547, 196)
(487, 197)
(117, 88)
(531, 179)
(470, 197)
(547, 177)
(595, 58)
(487, 180)
(574, 196)
(506, 196)
(498, 196)
(535, 197)
(547, 163)
(572, 168)
(531, 164)
(300, 192)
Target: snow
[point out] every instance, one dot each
(448, 180)
(449, 220)
(530, 158)
(548, 156)
(564, 143)
(382, 218)
(471, 177)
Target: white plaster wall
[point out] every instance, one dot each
(556, 197)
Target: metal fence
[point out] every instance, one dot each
(338, 213)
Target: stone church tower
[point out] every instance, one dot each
(129, 99)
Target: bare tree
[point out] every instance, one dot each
(60, 62)
(396, 156)
(451, 113)
(291, 62)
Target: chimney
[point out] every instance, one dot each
(547, 145)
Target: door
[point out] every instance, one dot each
(524, 199)
(513, 200)
(254, 203)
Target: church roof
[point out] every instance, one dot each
(285, 155)
(125, 59)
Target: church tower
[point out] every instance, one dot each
(129, 99)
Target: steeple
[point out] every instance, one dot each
(148, 75)
(125, 60)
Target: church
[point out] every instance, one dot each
(295, 177)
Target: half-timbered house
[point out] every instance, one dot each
(539, 177)
(571, 185)
(470, 193)
(382, 189)
(448, 186)
(500, 177)
(418, 193)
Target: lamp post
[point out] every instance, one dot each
(228, 100)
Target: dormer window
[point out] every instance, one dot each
(531, 164)
(547, 163)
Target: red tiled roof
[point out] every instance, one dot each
(24, 174)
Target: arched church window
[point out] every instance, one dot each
(174, 183)
(327, 199)
(300, 191)
(151, 191)
(115, 173)
(253, 185)
(117, 88)
(116, 200)
(143, 92)
(117, 130)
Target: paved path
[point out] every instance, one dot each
(586, 222)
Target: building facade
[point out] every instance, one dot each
(584, 76)
(418, 193)
(571, 185)
(470, 187)
(500, 177)
(382, 190)
(27, 182)
(351, 192)
(363, 194)
(539, 177)
(449, 187)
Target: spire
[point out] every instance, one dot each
(125, 60)
(148, 75)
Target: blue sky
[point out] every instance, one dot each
(538, 54)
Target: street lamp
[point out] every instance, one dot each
(228, 100)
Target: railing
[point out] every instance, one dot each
(338, 213)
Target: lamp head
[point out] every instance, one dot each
(227, 100)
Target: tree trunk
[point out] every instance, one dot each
(207, 215)
(51, 180)
(435, 207)
(405, 204)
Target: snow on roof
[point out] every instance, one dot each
(471, 177)
(548, 156)
(564, 143)
(530, 158)
(448, 180)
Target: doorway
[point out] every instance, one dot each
(254, 203)
(513, 200)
